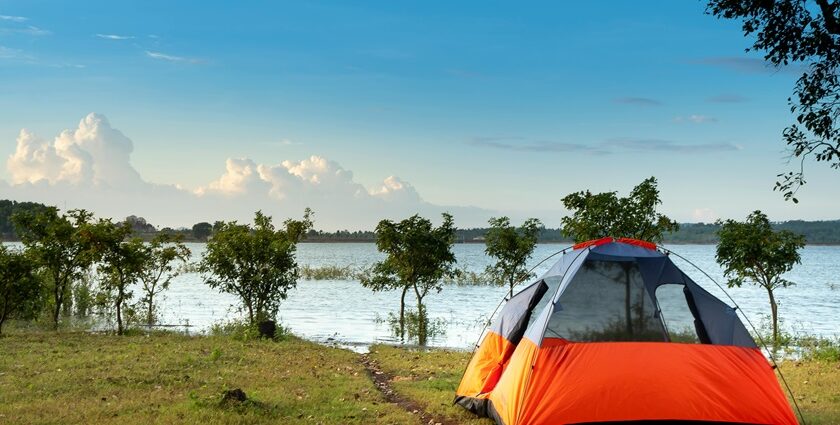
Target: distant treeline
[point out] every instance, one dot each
(815, 232)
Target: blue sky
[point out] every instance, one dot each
(494, 107)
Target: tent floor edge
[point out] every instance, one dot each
(478, 406)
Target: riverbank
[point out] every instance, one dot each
(173, 378)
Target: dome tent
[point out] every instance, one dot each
(615, 332)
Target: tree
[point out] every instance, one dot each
(122, 262)
(20, 288)
(61, 244)
(418, 257)
(161, 256)
(600, 215)
(511, 247)
(202, 231)
(256, 263)
(753, 252)
(807, 33)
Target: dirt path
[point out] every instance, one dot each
(382, 381)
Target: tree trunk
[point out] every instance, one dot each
(774, 313)
(58, 297)
(119, 312)
(402, 312)
(421, 318)
(150, 318)
(512, 283)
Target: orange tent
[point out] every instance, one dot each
(620, 334)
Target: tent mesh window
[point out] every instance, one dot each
(606, 301)
(675, 314)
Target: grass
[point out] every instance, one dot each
(428, 377)
(76, 377)
(68, 378)
(816, 385)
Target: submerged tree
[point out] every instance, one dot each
(511, 247)
(419, 255)
(754, 253)
(808, 33)
(256, 263)
(61, 244)
(121, 263)
(162, 256)
(20, 288)
(599, 215)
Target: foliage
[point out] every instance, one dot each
(202, 231)
(511, 247)
(242, 330)
(121, 263)
(161, 257)
(256, 263)
(61, 244)
(807, 33)
(20, 288)
(9, 208)
(418, 257)
(328, 272)
(752, 252)
(600, 215)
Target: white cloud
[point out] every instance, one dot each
(93, 153)
(172, 58)
(13, 18)
(704, 215)
(115, 36)
(89, 167)
(696, 118)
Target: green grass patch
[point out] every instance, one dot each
(428, 377)
(74, 378)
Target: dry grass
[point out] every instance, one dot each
(816, 385)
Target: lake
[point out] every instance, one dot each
(346, 313)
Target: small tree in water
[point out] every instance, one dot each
(753, 252)
(599, 215)
(256, 263)
(163, 254)
(418, 257)
(511, 247)
(61, 244)
(122, 261)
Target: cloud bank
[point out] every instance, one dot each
(90, 167)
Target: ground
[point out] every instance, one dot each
(71, 378)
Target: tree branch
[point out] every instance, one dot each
(828, 13)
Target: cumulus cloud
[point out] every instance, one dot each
(89, 167)
(93, 153)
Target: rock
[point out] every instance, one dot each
(267, 328)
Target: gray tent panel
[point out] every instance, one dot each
(512, 320)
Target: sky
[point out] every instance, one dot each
(188, 111)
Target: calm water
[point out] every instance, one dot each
(345, 312)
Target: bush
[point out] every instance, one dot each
(243, 330)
